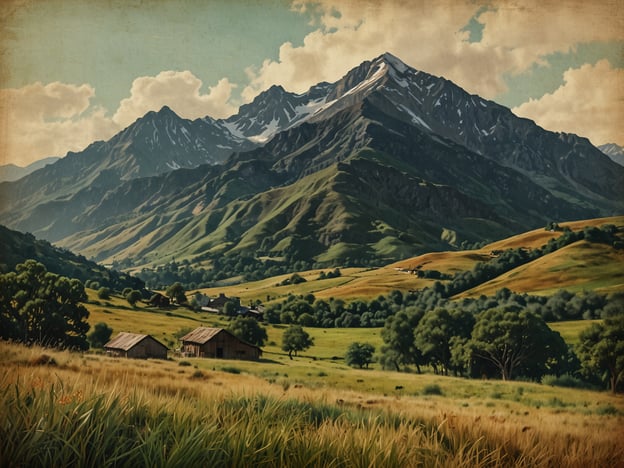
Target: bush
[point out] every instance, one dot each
(184, 364)
(565, 380)
(607, 410)
(231, 369)
(104, 293)
(433, 389)
(100, 335)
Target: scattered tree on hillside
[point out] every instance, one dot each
(515, 340)
(100, 335)
(248, 329)
(133, 297)
(38, 307)
(176, 293)
(359, 354)
(104, 293)
(601, 350)
(296, 339)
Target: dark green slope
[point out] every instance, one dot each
(17, 247)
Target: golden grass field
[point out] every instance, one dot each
(302, 412)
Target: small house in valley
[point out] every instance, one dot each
(217, 305)
(133, 345)
(217, 343)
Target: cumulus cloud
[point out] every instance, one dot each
(178, 90)
(431, 36)
(589, 103)
(532, 29)
(49, 120)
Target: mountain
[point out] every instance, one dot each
(615, 152)
(11, 172)
(386, 163)
(18, 247)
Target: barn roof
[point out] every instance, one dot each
(201, 335)
(127, 341)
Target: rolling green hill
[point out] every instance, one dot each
(579, 266)
(16, 247)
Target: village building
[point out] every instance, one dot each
(217, 304)
(217, 343)
(133, 345)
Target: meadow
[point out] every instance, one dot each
(63, 409)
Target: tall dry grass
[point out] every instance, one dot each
(85, 410)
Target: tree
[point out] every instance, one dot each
(176, 293)
(43, 308)
(248, 329)
(511, 340)
(133, 297)
(100, 335)
(398, 336)
(359, 354)
(296, 339)
(601, 350)
(104, 293)
(434, 333)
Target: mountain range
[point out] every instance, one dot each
(615, 152)
(11, 172)
(386, 163)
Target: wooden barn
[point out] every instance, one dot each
(133, 345)
(217, 343)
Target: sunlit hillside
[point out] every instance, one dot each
(580, 266)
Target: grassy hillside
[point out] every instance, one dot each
(17, 247)
(579, 266)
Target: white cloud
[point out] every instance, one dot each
(49, 120)
(429, 36)
(178, 90)
(589, 103)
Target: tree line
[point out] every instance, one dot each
(563, 305)
(508, 342)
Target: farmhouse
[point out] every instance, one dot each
(217, 305)
(133, 345)
(217, 343)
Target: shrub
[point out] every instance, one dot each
(104, 293)
(565, 380)
(231, 369)
(184, 364)
(607, 410)
(432, 389)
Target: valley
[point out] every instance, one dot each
(477, 258)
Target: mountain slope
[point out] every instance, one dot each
(18, 247)
(615, 152)
(386, 163)
(11, 172)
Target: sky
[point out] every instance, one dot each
(76, 71)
